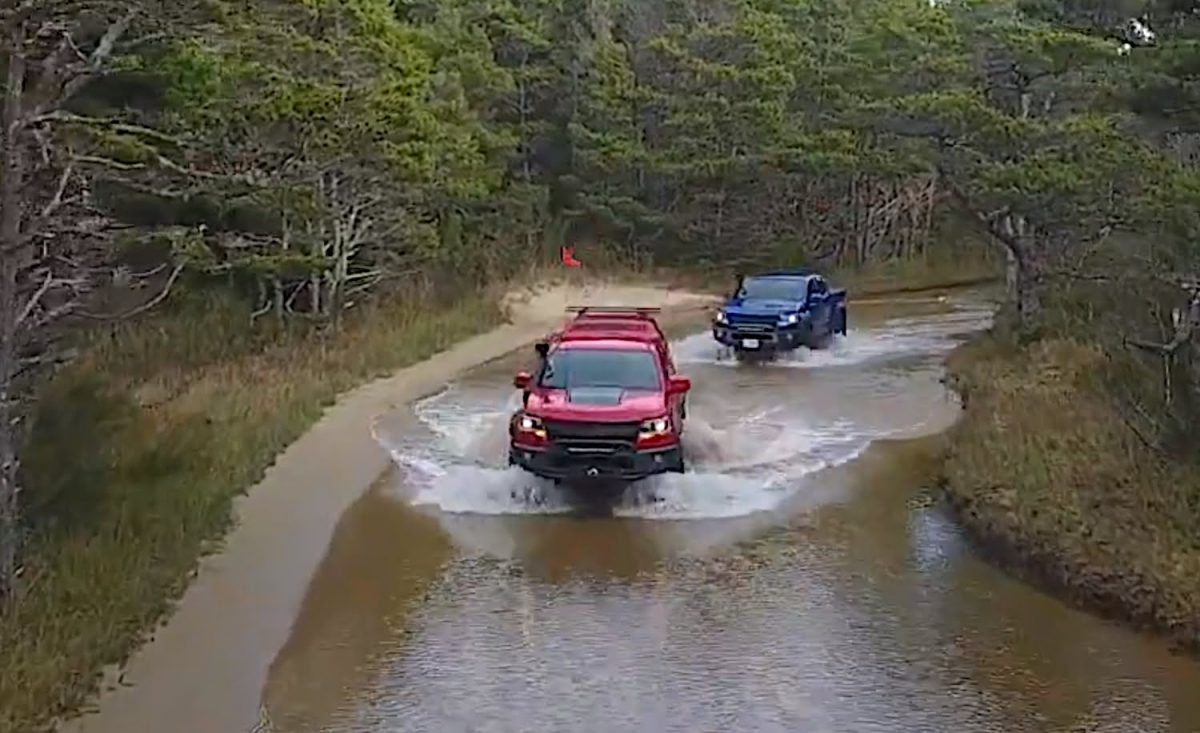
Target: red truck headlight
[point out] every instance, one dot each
(657, 432)
(654, 427)
(529, 429)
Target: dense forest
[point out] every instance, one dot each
(302, 158)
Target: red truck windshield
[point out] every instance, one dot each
(575, 368)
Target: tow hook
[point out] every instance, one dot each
(593, 472)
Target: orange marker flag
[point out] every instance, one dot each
(568, 257)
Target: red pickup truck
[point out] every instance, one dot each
(604, 403)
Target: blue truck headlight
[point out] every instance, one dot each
(722, 317)
(789, 319)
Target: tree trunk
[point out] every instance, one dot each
(12, 176)
(10, 527)
(1012, 274)
(1020, 277)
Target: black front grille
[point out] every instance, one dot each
(620, 460)
(563, 430)
(753, 328)
(742, 320)
(589, 441)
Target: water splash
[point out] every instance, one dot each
(741, 469)
(893, 339)
(748, 465)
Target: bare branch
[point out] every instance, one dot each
(1094, 246)
(110, 163)
(43, 147)
(74, 47)
(57, 201)
(1185, 326)
(33, 301)
(113, 125)
(148, 273)
(98, 58)
(166, 291)
(986, 221)
(55, 314)
(145, 40)
(104, 49)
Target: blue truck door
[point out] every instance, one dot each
(818, 303)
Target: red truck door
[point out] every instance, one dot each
(675, 405)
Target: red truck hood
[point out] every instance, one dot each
(601, 404)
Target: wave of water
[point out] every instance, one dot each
(749, 465)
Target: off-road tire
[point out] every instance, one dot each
(680, 467)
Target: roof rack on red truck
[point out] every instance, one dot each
(639, 310)
(634, 323)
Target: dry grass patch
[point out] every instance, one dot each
(1044, 472)
(138, 453)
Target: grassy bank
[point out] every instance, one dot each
(918, 275)
(887, 277)
(140, 449)
(1053, 485)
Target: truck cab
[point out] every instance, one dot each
(605, 401)
(780, 311)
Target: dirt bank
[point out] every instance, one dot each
(239, 609)
(1052, 485)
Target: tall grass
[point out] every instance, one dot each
(1046, 474)
(140, 448)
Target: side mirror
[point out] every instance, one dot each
(522, 380)
(542, 348)
(679, 385)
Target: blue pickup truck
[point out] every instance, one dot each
(779, 311)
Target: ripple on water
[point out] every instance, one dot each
(794, 644)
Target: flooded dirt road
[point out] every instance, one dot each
(793, 580)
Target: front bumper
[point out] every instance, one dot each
(758, 338)
(557, 462)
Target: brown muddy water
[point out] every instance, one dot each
(793, 580)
